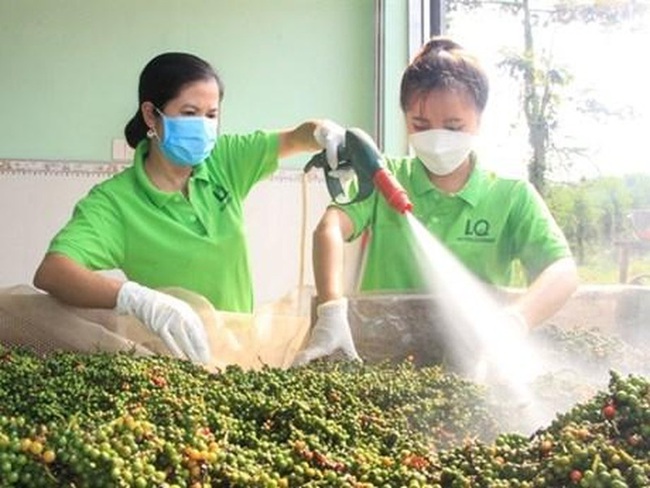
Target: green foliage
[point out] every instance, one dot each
(575, 213)
(638, 186)
(602, 266)
(594, 214)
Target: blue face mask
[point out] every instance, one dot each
(187, 140)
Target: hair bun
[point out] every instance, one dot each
(437, 44)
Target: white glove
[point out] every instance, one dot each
(503, 353)
(174, 320)
(513, 325)
(331, 333)
(330, 136)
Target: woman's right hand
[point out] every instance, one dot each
(330, 334)
(330, 136)
(172, 319)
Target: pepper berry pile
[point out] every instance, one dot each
(116, 420)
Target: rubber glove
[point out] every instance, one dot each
(331, 333)
(507, 334)
(174, 320)
(330, 136)
(513, 324)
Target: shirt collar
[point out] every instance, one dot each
(471, 191)
(475, 186)
(421, 182)
(158, 197)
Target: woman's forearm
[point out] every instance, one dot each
(549, 292)
(328, 254)
(299, 139)
(75, 285)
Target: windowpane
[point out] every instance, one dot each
(599, 110)
(590, 94)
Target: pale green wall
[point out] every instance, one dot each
(395, 59)
(69, 68)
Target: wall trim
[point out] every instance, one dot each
(34, 167)
(98, 169)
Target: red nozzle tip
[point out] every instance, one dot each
(393, 192)
(400, 202)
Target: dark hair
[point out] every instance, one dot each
(443, 64)
(161, 80)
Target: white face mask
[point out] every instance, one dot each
(441, 150)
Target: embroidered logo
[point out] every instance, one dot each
(222, 195)
(477, 230)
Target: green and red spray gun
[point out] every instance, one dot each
(360, 156)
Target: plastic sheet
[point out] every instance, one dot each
(271, 336)
(36, 321)
(384, 326)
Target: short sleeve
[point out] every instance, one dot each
(94, 235)
(243, 160)
(538, 241)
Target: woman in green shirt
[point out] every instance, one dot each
(175, 217)
(487, 222)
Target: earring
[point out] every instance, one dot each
(151, 133)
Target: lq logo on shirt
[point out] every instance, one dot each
(477, 230)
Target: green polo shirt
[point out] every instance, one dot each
(489, 225)
(161, 239)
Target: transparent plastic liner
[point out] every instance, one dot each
(389, 327)
(36, 321)
(271, 336)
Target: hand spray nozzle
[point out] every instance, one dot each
(360, 155)
(392, 190)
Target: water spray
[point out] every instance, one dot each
(475, 332)
(360, 170)
(472, 318)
